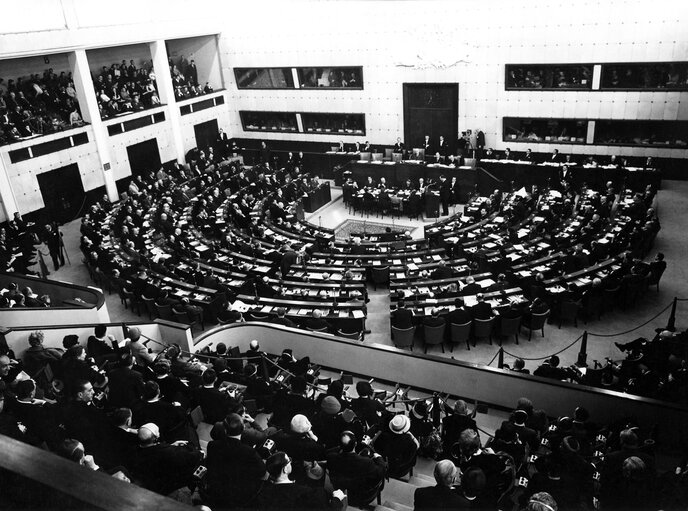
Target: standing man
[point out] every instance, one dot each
(54, 241)
(445, 194)
(479, 142)
(443, 147)
(427, 145)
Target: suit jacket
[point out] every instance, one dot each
(438, 497)
(125, 387)
(402, 318)
(354, 472)
(441, 272)
(471, 289)
(213, 402)
(234, 471)
(169, 418)
(459, 316)
(481, 310)
(434, 321)
(163, 468)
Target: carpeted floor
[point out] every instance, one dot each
(349, 227)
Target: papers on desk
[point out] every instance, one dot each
(266, 309)
(358, 314)
(470, 301)
(240, 306)
(400, 275)
(376, 262)
(513, 257)
(436, 257)
(556, 289)
(181, 292)
(412, 267)
(304, 312)
(490, 245)
(494, 303)
(485, 283)
(397, 262)
(498, 219)
(521, 193)
(524, 274)
(417, 260)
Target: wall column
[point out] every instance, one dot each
(89, 111)
(163, 80)
(9, 202)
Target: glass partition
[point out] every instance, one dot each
(330, 77)
(264, 78)
(341, 124)
(642, 133)
(645, 76)
(548, 76)
(269, 121)
(561, 131)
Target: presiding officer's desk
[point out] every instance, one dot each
(396, 174)
(317, 198)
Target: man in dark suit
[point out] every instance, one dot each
(170, 419)
(354, 472)
(471, 288)
(317, 322)
(125, 384)
(482, 309)
(445, 194)
(401, 316)
(282, 319)
(163, 467)
(442, 271)
(459, 316)
(399, 146)
(443, 147)
(434, 319)
(555, 157)
(529, 157)
(213, 402)
(441, 496)
(427, 145)
(192, 73)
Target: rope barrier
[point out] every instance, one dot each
(493, 358)
(548, 356)
(636, 328)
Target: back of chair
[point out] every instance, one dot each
(460, 332)
(380, 275)
(537, 321)
(182, 317)
(150, 306)
(165, 312)
(510, 326)
(569, 310)
(483, 327)
(356, 336)
(403, 337)
(434, 334)
(364, 156)
(388, 153)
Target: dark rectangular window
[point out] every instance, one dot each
(269, 121)
(202, 105)
(548, 76)
(331, 124)
(219, 100)
(330, 77)
(264, 78)
(645, 76)
(536, 130)
(642, 133)
(185, 110)
(80, 139)
(20, 155)
(115, 129)
(51, 147)
(159, 117)
(135, 124)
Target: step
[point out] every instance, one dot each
(396, 506)
(383, 508)
(399, 491)
(421, 480)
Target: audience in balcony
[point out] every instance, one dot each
(185, 79)
(39, 105)
(123, 88)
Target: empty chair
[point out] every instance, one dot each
(609, 296)
(460, 333)
(592, 307)
(434, 335)
(396, 206)
(509, 327)
(403, 337)
(149, 304)
(568, 311)
(654, 278)
(388, 154)
(133, 301)
(184, 318)
(165, 312)
(535, 322)
(380, 275)
(482, 328)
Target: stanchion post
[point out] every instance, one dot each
(582, 354)
(671, 325)
(500, 358)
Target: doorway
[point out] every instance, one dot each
(206, 134)
(144, 157)
(430, 109)
(63, 193)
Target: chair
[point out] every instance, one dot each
(398, 469)
(321, 330)
(654, 278)
(358, 496)
(164, 312)
(434, 335)
(149, 304)
(356, 336)
(536, 322)
(184, 318)
(509, 327)
(396, 206)
(460, 333)
(403, 337)
(380, 275)
(388, 154)
(134, 303)
(483, 328)
(592, 307)
(568, 311)
(609, 298)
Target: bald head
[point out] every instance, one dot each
(148, 434)
(445, 473)
(134, 333)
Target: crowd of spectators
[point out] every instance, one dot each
(125, 88)
(185, 79)
(13, 297)
(549, 77)
(278, 426)
(37, 105)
